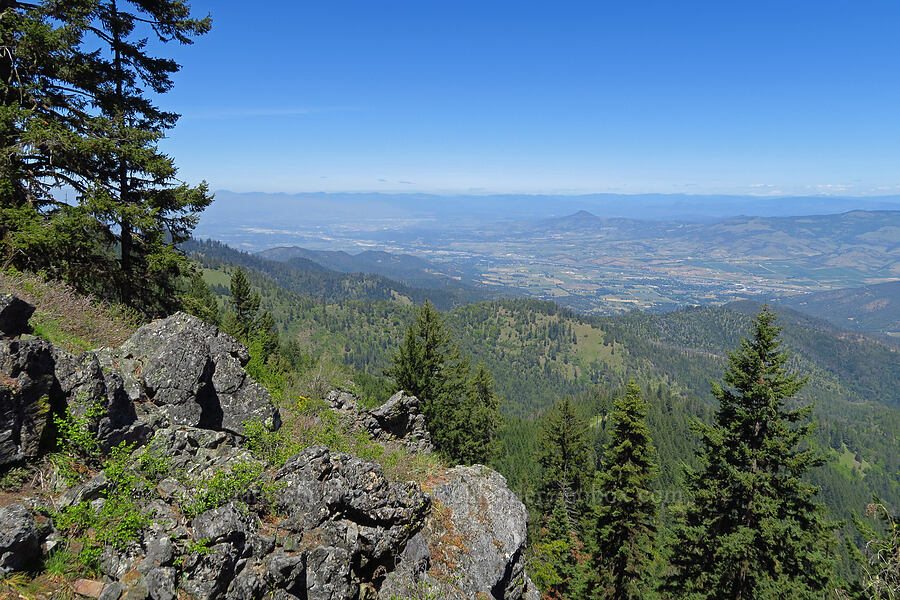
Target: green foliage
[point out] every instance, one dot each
(881, 555)
(222, 487)
(119, 519)
(461, 410)
(76, 113)
(274, 447)
(754, 529)
(15, 478)
(627, 515)
(566, 460)
(77, 430)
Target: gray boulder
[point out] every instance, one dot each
(193, 373)
(28, 393)
(397, 420)
(472, 545)
(20, 544)
(359, 521)
(14, 315)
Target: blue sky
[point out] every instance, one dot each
(756, 97)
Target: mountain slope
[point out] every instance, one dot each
(872, 308)
(303, 276)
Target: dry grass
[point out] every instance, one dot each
(68, 319)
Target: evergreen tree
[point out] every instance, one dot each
(38, 135)
(128, 183)
(461, 412)
(567, 465)
(478, 420)
(627, 515)
(754, 529)
(420, 365)
(199, 300)
(80, 117)
(243, 306)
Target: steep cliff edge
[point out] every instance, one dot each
(171, 499)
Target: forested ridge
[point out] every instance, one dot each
(539, 353)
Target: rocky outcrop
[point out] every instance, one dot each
(324, 526)
(28, 391)
(193, 373)
(20, 543)
(397, 420)
(472, 545)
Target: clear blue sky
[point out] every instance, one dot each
(627, 96)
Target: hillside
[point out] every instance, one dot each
(539, 352)
(871, 308)
(303, 276)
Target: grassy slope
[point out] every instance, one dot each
(66, 318)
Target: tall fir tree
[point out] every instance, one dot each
(565, 455)
(474, 439)
(754, 529)
(40, 134)
(129, 185)
(627, 513)
(461, 411)
(242, 307)
(421, 362)
(77, 113)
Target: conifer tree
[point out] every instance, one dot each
(566, 461)
(243, 306)
(461, 411)
(420, 364)
(479, 418)
(561, 563)
(754, 530)
(128, 184)
(627, 516)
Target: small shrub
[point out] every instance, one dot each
(14, 479)
(223, 487)
(274, 447)
(77, 430)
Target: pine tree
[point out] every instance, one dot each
(754, 530)
(627, 516)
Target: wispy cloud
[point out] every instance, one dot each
(251, 112)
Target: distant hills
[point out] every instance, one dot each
(872, 308)
(406, 268)
(540, 352)
(300, 275)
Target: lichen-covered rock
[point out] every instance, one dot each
(84, 383)
(355, 520)
(20, 544)
(397, 420)
(28, 392)
(193, 372)
(475, 537)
